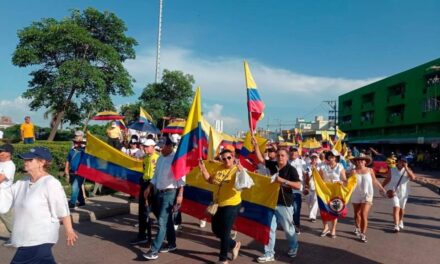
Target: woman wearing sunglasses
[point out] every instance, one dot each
(229, 202)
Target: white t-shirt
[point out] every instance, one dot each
(38, 209)
(7, 168)
(299, 164)
(135, 153)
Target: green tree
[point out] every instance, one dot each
(78, 63)
(130, 112)
(172, 97)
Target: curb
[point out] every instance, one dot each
(432, 184)
(103, 207)
(98, 208)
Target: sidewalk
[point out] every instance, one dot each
(99, 207)
(429, 179)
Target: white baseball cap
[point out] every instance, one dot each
(149, 142)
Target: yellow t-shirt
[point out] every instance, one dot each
(27, 130)
(114, 132)
(150, 162)
(226, 194)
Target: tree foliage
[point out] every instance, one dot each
(78, 63)
(172, 97)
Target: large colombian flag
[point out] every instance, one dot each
(104, 164)
(332, 197)
(254, 103)
(258, 203)
(193, 145)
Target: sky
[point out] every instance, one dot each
(301, 53)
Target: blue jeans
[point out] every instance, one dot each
(283, 216)
(28, 141)
(77, 194)
(297, 201)
(221, 226)
(165, 204)
(34, 254)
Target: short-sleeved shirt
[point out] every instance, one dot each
(8, 169)
(285, 196)
(74, 158)
(150, 162)
(28, 130)
(226, 194)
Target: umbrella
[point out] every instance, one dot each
(311, 144)
(175, 127)
(145, 127)
(107, 116)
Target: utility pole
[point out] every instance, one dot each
(333, 113)
(159, 34)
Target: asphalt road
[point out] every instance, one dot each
(106, 241)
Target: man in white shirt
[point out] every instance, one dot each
(165, 188)
(7, 168)
(298, 164)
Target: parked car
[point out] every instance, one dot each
(380, 166)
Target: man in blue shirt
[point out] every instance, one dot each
(72, 164)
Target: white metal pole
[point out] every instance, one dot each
(159, 34)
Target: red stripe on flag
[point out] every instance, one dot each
(108, 180)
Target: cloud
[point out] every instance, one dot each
(214, 112)
(286, 93)
(18, 108)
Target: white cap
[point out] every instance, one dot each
(314, 155)
(79, 133)
(149, 142)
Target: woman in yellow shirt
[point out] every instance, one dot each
(229, 203)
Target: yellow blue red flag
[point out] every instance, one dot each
(144, 116)
(104, 164)
(258, 203)
(248, 158)
(332, 197)
(254, 103)
(193, 145)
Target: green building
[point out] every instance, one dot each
(401, 109)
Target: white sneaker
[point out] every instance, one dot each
(401, 224)
(364, 238)
(265, 258)
(176, 227)
(396, 228)
(202, 223)
(357, 232)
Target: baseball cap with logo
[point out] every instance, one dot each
(36, 152)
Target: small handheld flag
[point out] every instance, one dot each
(254, 103)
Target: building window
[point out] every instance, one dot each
(367, 100)
(346, 120)
(431, 104)
(397, 90)
(346, 105)
(395, 113)
(367, 117)
(432, 79)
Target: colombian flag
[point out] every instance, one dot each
(258, 203)
(248, 158)
(193, 145)
(254, 103)
(104, 164)
(144, 116)
(332, 197)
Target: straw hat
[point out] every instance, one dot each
(367, 159)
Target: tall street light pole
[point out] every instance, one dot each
(159, 34)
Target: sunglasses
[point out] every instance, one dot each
(227, 158)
